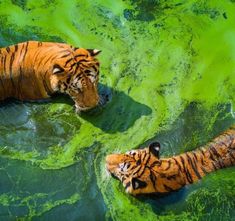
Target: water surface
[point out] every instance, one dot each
(169, 70)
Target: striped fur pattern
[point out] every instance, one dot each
(142, 171)
(35, 70)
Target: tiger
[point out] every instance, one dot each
(142, 171)
(34, 70)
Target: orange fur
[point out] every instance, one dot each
(35, 70)
(142, 171)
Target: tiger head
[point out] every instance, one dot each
(142, 171)
(76, 73)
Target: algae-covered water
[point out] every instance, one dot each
(168, 68)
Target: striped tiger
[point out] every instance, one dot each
(142, 171)
(35, 70)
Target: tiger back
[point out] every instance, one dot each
(35, 70)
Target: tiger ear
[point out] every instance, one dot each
(93, 52)
(136, 183)
(154, 148)
(57, 69)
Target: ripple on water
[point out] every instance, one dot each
(23, 127)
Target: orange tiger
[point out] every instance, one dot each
(143, 172)
(35, 70)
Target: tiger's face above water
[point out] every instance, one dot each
(77, 75)
(140, 171)
(33, 70)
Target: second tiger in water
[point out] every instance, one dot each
(142, 171)
(35, 70)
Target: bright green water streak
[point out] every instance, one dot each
(169, 66)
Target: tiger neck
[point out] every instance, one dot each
(218, 154)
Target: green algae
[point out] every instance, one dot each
(169, 68)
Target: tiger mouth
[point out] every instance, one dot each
(111, 166)
(110, 173)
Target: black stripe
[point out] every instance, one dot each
(145, 154)
(68, 79)
(71, 67)
(136, 172)
(215, 152)
(82, 60)
(123, 179)
(194, 167)
(215, 168)
(79, 55)
(8, 49)
(188, 175)
(76, 69)
(127, 185)
(156, 163)
(11, 74)
(202, 152)
(4, 65)
(204, 170)
(231, 155)
(221, 163)
(153, 179)
(66, 55)
(224, 144)
(96, 69)
(26, 50)
(177, 163)
(168, 189)
(147, 161)
(202, 159)
(144, 167)
(169, 165)
(195, 155)
(68, 61)
(211, 155)
(22, 48)
(16, 48)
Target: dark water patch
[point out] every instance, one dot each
(24, 127)
(143, 10)
(192, 128)
(161, 202)
(23, 3)
(11, 34)
(148, 10)
(37, 194)
(20, 3)
(202, 8)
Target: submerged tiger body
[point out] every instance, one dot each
(35, 70)
(142, 171)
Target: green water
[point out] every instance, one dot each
(168, 68)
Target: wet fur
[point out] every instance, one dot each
(35, 70)
(144, 172)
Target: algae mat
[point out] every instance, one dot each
(168, 68)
